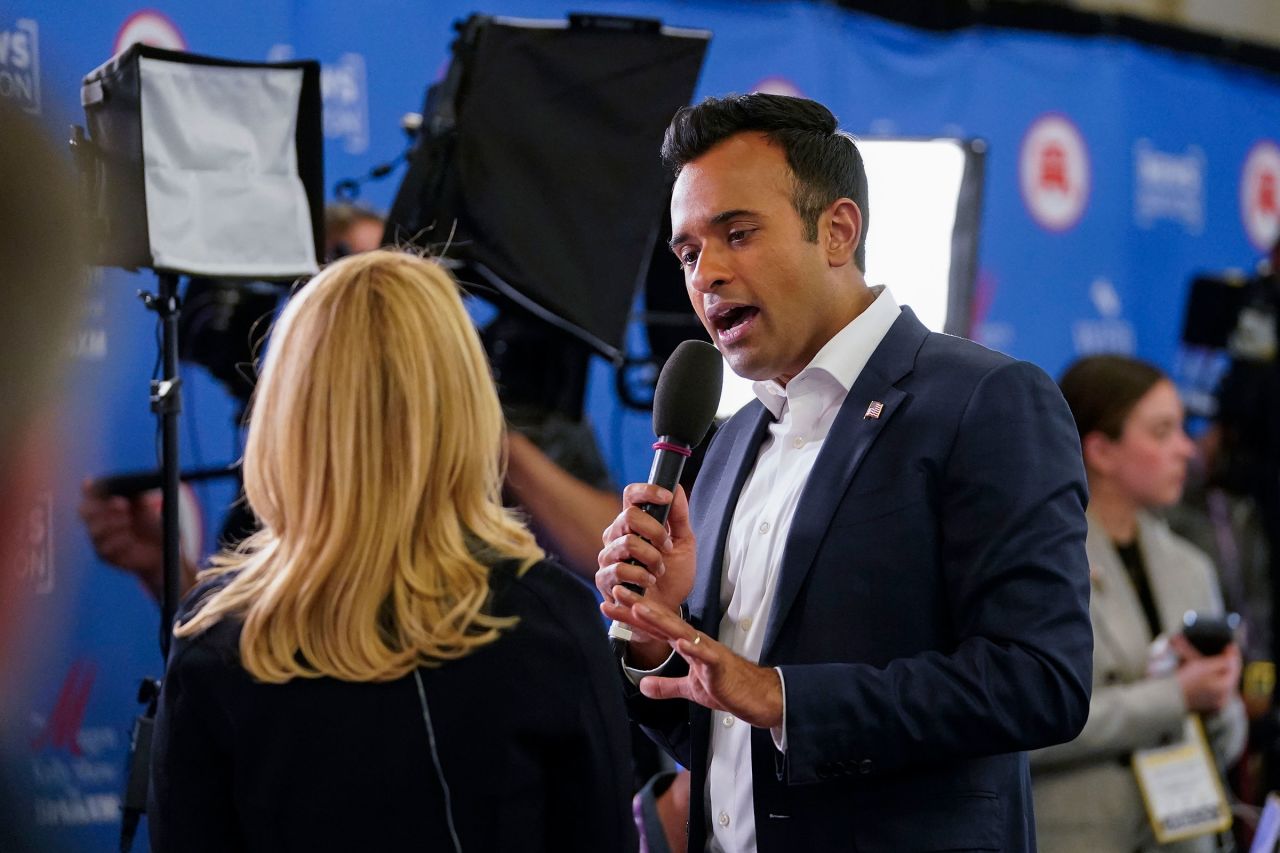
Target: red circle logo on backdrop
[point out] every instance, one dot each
(1053, 172)
(152, 27)
(1260, 195)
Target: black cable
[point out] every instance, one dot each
(348, 189)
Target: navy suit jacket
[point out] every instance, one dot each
(931, 616)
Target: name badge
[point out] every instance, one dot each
(1181, 788)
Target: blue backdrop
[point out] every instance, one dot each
(1115, 171)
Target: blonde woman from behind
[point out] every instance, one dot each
(389, 663)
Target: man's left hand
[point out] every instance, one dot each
(717, 679)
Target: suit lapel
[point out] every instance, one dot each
(1168, 580)
(1119, 621)
(845, 447)
(704, 602)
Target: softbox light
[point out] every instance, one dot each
(205, 166)
(537, 163)
(925, 197)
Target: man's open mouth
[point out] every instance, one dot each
(725, 321)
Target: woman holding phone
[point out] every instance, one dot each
(1147, 677)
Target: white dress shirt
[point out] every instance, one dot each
(803, 412)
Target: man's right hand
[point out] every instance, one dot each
(667, 558)
(1208, 683)
(125, 533)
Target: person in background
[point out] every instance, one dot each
(1143, 578)
(564, 510)
(1220, 511)
(350, 229)
(390, 649)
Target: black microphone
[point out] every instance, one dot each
(684, 404)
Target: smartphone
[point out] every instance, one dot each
(1209, 633)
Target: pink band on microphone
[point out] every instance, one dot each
(674, 448)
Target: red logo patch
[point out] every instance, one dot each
(1054, 172)
(62, 729)
(1260, 195)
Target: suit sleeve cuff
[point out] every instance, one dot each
(634, 675)
(779, 731)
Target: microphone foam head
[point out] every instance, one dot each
(688, 393)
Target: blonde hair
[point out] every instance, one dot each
(374, 463)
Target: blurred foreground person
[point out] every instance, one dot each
(1146, 677)
(389, 664)
(42, 279)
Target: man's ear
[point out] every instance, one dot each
(843, 231)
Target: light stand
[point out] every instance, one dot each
(230, 186)
(166, 403)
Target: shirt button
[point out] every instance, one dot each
(764, 527)
(727, 722)
(745, 624)
(723, 819)
(798, 441)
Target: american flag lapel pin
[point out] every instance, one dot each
(874, 410)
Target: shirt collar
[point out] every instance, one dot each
(844, 356)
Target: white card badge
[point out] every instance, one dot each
(1181, 787)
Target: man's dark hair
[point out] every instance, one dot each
(1102, 390)
(824, 161)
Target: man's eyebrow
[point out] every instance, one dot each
(719, 219)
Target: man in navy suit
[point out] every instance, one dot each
(879, 597)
